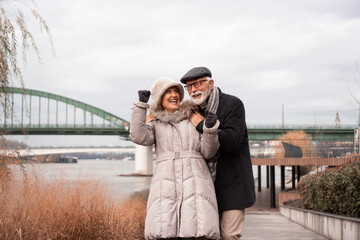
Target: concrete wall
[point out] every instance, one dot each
(328, 225)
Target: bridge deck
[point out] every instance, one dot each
(254, 134)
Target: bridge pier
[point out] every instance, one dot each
(143, 160)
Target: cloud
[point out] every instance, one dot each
(301, 53)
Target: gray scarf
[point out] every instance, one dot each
(213, 102)
(212, 106)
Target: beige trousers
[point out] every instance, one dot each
(231, 224)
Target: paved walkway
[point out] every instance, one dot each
(272, 225)
(262, 222)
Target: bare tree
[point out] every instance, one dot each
(13, 29)
(15, 40)
(357, 107)
(357, 101)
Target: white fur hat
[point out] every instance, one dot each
(160, 86)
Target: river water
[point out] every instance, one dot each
(104, 171)
(109, 172)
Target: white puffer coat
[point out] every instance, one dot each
(182, 200)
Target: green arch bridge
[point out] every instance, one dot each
(69, 121)
(106, 124)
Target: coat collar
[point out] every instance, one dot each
(185, 109)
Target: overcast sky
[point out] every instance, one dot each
(300, 53)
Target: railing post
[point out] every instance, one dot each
(282, 173)
(293, 176)
(267, 176)
(298, 174)
(272, 187)
(259, 178)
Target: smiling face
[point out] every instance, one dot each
(200, 93)
(171, 99)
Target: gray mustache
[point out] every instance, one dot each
(196, 93)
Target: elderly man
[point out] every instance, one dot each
(234, 182)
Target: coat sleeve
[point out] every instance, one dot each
(209, 144)
(232, 132)
(140, 132)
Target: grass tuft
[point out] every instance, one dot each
(32, 208)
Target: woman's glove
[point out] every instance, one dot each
(144, 95)
(210, 119)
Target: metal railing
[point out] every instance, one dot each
(68, 125)
(300, 126)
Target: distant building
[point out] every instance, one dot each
(67, 159)
(337, 119)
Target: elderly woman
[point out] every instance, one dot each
(182, 202)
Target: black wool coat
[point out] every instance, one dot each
(234, 182)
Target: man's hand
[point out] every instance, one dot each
(150, 118)
(144, 95)
(196, 118)
(210, 119)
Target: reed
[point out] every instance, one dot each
(32, 208)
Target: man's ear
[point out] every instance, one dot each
(211, 83)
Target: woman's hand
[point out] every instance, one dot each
(144, 95)
(150, 118)
(196, 118)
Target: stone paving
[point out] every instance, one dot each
(272, 225)
(262, 222)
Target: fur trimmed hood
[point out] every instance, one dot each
(185, 109)
(160, 86)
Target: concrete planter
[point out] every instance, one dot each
(328, 225)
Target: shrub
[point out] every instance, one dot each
(296, 138)
(299, 139)
(334, 191)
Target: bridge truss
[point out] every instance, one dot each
(322, 133)
(82, 123)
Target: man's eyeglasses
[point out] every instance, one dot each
(194, 84)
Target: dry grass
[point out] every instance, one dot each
(33, 209)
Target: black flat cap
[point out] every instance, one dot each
(195, 73)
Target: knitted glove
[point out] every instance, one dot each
(210, 119)
(144, 95)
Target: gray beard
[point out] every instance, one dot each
(204, 96)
